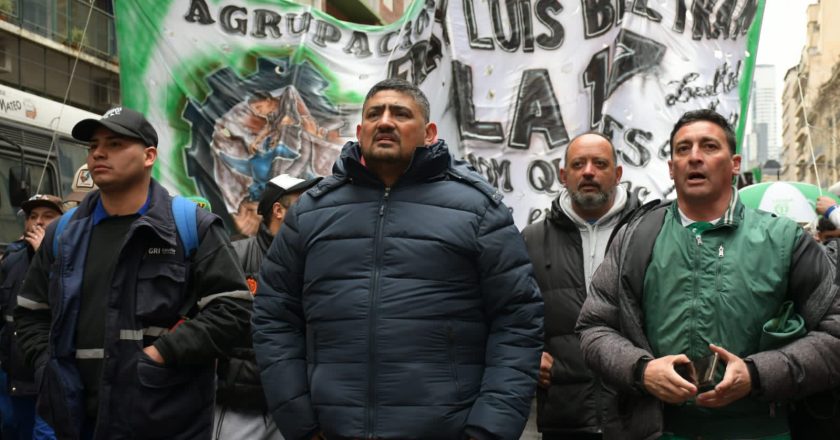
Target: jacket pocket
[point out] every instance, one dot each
(160, 292)
(171, 401)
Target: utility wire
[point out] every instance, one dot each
(57, 120)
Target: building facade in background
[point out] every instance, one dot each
(762, 142)
(42, 44)
(810, 102)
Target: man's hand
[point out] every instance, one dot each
(664, 383)
(735, 385)
(246, 219)
(34, 236)
(545, 370)
(823, 203)
(154, 354)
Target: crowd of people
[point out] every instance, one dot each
(396, 299)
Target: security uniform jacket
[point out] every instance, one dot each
(155, 285)
(407, 312)
(21, 381)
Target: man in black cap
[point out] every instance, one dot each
(241, 410)
(124, 313)
(39, 211)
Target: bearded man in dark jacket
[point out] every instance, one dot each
(398, 301)
(241, 411)
(566, 248)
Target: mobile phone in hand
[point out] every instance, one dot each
(700, 372)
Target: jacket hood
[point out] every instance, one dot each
(563, 215)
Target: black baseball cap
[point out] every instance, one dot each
(279, 187)
(121, 120)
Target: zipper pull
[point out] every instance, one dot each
(384, 200)
(720, 252)
(699, 240)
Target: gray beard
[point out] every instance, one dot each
(590, 201)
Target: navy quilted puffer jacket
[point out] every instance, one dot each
(408, 312)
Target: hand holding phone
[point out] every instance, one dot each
(735, 385)
(700, 372)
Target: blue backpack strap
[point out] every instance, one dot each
(185, 221)
(62, 223)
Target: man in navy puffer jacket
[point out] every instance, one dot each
(399, 300)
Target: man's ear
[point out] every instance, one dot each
(151, 157)
(278, 211)
(431, 133)
(736, 164)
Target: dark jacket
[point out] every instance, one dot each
(155, 285)
(404, 312)
(577, 401)
(238, 383)
(615, 345)
(15, 263)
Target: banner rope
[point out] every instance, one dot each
(64, 101)
(808, 129)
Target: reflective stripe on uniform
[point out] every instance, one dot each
(239, 294)
(137, 335)
(90, 353)
(31, 305)
(9, 318)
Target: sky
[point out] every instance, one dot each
(782, 36)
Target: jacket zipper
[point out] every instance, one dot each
(718, 283)
(374, 293)
(697, 251)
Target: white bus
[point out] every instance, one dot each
(28, 125)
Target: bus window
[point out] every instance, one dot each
(71, 155)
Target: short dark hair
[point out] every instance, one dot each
(825, 225)
(286, 200)
(405, 87)
(709, 116)
(596, 133)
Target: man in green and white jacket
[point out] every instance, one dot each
(704, 275)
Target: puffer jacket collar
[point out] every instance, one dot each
(428, 163)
